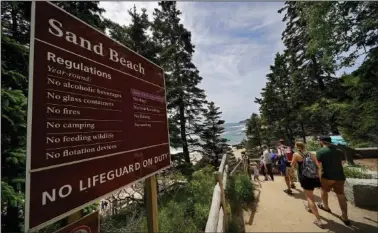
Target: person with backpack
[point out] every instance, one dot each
(285, 155)
(309, 177)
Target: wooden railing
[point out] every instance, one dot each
(217, 220)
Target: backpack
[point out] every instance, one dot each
(309, 168)
(273, 157)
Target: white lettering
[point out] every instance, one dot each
(56, 25)
(52, 196)
(56, 30)
(113, 55)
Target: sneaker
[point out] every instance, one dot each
(288, 191)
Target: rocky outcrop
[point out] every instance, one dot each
(362, 192)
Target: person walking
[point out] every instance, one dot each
(256, 173)
(285, 156)
(268, 162)
(263, 167)
(308, 170)
(332, 176)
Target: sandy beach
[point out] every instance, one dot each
(237, 152)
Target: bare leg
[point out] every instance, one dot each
(311, 204)
(287, 181)
(325, 199)
(343, 206)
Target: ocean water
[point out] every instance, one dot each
(234, 133)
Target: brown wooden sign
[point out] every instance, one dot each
(88, 224)
(97, 116)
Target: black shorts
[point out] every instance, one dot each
(309, 183)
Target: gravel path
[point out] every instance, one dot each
(275, 211)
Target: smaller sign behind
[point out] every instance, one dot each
(87, 224)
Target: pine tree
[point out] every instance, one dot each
(135, 36)
(309, 71)
(88, 11)
(14, 70)
(277, 102)
(213, 144)
(335, 28)
(253, 132)
(185, 98)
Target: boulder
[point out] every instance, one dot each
(362, 192)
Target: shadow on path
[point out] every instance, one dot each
(275, 211)
(301, 195)
(372, 220)
(336, 227)
(253, 207)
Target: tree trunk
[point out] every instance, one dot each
(288, 135)
(14, 22)
(185, 148)
(316, 74)
(303, 132)
(333, 125)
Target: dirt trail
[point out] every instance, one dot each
(275, 211)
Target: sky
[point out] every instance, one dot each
(235, 44)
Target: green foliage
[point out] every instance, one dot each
(14, 58)
(302, 95)
(239, 194)
(313, 145)
(356, 171)
(88, 11)
(213, 144)
(253, 132)
(89, 209)
(239, 191)
(185, 99)
(188, 206)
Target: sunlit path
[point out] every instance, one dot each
(275, 211)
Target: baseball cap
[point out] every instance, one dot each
(325, 139)
(281, 140)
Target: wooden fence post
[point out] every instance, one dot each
(220, 181)
(152, 207)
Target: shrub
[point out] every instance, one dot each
(239, 193)
(356, 171)
(184, 209)
(240, 190)
(313, 145)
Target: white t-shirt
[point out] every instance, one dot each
(266, 155)
(256, 171)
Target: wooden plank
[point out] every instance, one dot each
(225, 175)
(212, 221)
(152, 208)
(220, 182)
(223, 163)
(221, 226)
(236, 167)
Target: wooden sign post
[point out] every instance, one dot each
(97, 117)
(152, 206)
